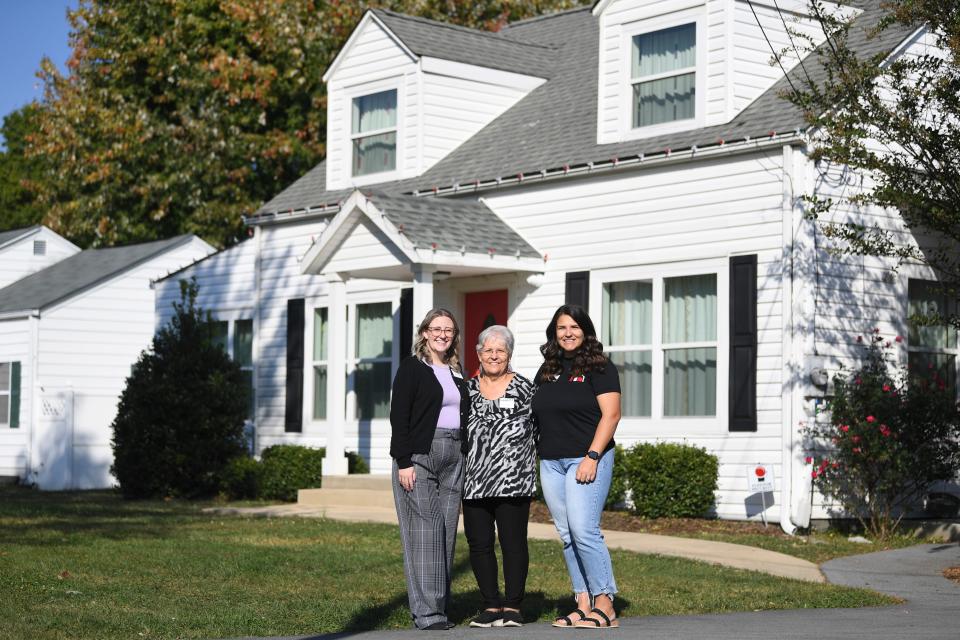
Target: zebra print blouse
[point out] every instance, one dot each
(501, 439)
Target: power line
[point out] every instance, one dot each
(792, 43)
(776, 56)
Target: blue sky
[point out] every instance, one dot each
(29, 30)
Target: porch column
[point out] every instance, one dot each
(335, 461)
(422, 292)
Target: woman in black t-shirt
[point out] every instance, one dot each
(577, 407)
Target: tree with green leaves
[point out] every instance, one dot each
(897, 121)
(181, 415)
(17, 172)
(179, 116)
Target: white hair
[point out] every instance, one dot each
(496, 331)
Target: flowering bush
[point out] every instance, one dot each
(889, 438)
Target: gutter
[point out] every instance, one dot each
(23, 313)
(600, 167)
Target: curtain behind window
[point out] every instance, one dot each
(690, 374)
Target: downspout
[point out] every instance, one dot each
(257, 296)
(33, 324)
(790, 368)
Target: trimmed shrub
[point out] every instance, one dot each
(286, 468)
(356, 463)
(241, 479)
(180, 417)
(671, 480)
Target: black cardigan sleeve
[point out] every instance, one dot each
(405, 386)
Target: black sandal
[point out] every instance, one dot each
(567, 621)
(593, 623)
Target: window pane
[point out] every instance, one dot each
(690, 308)
(374, 154)
(373, 390)
(251, 399)
(320, 392)
(663, 51)
(374, 330)
(664, 100)
(627, 313)
(636, 374)
(5, 376)
(376, 111)
(4, 409)
(937, 369)
(243, 342)
(218, 334)
(319, 334)
(926, 299)
(690, 382)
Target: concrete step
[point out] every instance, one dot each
(350, 491)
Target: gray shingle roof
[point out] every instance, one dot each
(13, 234)
(454, 224)
(556, 123)
(450, 42)
(79, 272)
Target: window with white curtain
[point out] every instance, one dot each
(663, 75)
(372, 360)
(662, 335)
(320, 363)
(932, 344)
(374, 133)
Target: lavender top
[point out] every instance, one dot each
(450, 411)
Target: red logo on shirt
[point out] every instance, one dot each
(576, 379)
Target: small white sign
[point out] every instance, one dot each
(760, 478)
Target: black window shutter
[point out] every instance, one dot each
(293, 418)
(577, 290)
(14, 395)
(743, 343)
(406, 322)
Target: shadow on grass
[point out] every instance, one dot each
(41, 518)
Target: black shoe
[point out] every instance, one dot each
(443, 625)
(511, 619)
(488, 619)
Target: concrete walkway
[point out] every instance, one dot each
(722, 553)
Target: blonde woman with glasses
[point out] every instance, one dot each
(428, 418)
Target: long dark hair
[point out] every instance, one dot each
(589, 357)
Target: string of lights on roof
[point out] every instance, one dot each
(721, 145)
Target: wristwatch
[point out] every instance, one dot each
(593, 455)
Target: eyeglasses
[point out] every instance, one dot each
(490, 352)
(436, 331)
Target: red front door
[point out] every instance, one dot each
(482, 309)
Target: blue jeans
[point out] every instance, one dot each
(575, 508)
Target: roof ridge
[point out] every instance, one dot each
(462, 29)
(546, 16)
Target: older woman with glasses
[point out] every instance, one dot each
(500, 477)
(428, 417)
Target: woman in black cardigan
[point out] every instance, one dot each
(428, 417)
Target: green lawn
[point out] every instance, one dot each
(90, 565)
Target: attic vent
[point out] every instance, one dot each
(39, 247)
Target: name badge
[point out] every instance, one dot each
(506, 403)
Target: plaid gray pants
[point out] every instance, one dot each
(428, 526)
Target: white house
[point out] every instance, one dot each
(69, 334)
(635, 157)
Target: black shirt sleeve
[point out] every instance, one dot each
(605, 381)
(401, 405)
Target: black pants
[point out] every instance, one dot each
(510, 516)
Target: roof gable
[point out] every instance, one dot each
(71, 276)
(11, 236)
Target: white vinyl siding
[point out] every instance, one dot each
(20, 258)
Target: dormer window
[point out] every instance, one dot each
(663, 75)
(374, 133)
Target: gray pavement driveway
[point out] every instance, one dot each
(931, 610)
